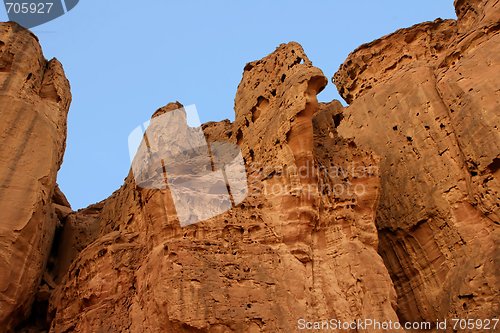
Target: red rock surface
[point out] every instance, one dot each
(34, 99)
(386, 209)
(273, 259)
(426, 100)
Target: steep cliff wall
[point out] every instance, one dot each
(301, 245)
(387, 209)
(426, 100)
(34, 102)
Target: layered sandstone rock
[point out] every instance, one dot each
(34, 101)
(385, 210)
(426, 100)
(302, 244)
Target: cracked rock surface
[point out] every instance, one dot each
(34, 102)
(290, 249)
(426, 100)
(386, 209)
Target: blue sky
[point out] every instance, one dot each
(125, 59)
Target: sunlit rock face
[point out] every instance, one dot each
(34, 102)
(426, 100)
(297, 211)
(301, 244)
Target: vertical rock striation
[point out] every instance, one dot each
(387, 209)
(426, 100)
(301, 245)
(34, 101)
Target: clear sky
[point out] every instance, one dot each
(126, 58)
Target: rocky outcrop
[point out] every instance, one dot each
(301, 245)
(426, 100)
(34, 99)
(387, 209)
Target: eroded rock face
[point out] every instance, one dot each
(385, 210)
(34, 101)
(426, 100)
(301, 245)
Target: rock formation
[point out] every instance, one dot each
(34, 99)
(291, 249)
(387, 209)
(426, 100)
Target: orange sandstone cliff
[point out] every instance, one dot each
(34, 102)
(386, 209)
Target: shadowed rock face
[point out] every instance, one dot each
(426, 100)
(386, 209)
(34, 101)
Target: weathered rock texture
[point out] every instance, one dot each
(294, 248)
(34, 101)
(386, 209)
(426, 100)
